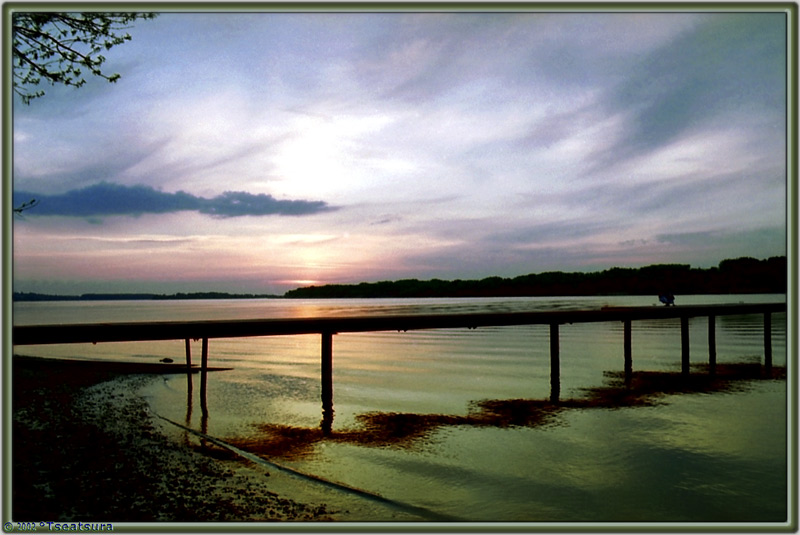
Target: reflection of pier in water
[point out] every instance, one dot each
(328, 327)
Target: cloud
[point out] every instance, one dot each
(765, 241)
(107, 199)
(463, 145)
(728, 70)
(239, 203)
(549, 233)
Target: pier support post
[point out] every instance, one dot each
(189, 382)
(628, 351)
(188, 353)
(555, 364)
(712, 344)
(204, 379)
(768, 342)
(327, 382)
(685, 345)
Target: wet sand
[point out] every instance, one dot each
(85, 447)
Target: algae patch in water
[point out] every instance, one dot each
(408, 430)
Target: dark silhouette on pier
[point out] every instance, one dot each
(667, 299)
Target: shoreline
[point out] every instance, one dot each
(85, 447)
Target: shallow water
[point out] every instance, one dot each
(657, 450)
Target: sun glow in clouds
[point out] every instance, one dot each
(325, 153)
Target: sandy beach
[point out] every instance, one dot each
(87, 448)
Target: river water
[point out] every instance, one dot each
(457, 422)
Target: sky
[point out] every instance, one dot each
(260, 152)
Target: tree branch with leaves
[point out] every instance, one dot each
(62, 48)
(25, 206)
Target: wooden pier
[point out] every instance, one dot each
(328, 327)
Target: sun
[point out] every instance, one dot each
(322, 154)
(304, 282)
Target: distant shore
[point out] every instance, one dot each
(738, 276)
(86, 448)
(735, 276)
(33, 296)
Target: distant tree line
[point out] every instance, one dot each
(213, 295)
(31, 296)
(740, 275)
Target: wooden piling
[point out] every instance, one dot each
(628, 351)
(189, 398)
(555, 364)
(204, 355)
(188, 353)
(685, 345)
(768, 342)
(204, 379)
(327, 381)
(712, 344)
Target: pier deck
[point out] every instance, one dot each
(183, 330)
(329, 326)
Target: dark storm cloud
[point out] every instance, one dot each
(239, 203)
(107, 199)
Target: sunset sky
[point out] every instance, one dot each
(259, 152)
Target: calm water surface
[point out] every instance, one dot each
(456, 421)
